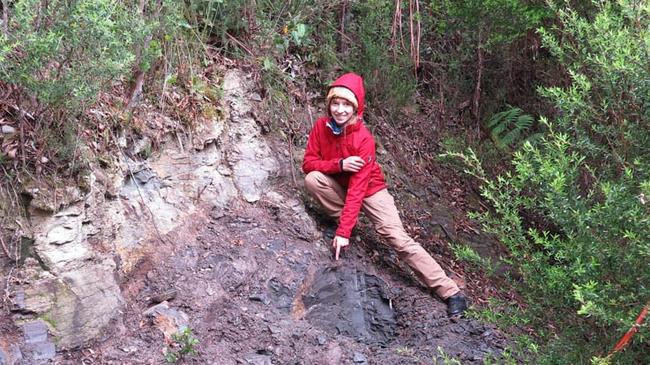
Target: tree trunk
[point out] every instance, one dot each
(342, 41)
(477, 89)
(135, 91)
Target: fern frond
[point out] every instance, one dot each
(507, 127)
(524, 121)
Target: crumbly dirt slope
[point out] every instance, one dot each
(257, 291)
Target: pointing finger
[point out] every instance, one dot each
(338, 251)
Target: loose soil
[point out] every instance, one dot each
(258, 290)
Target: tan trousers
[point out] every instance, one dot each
(381, 210)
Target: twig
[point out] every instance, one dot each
(161, 102)
(307, 101)
(17, 255)
(5, 298)
(418, 36)
(411, 33)
(240, 44)
(136, 90)
(627, 337)
(4, 248)
(342, 45)
(396, 27)
(285, 4)
(200, 192)
(293, 162)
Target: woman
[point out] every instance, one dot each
(344, 177)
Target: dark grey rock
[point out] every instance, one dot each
(42, 350)
(35, 332)
(351, 303)
(143, 176)
(260, 298)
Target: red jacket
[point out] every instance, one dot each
(325, 150)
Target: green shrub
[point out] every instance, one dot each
(183, 346)
(573, 211)
(64, 52)
(388, 73)
(607, 107)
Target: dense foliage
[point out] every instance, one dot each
(574, 211)
(57, 57)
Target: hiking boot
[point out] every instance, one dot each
(456, 305)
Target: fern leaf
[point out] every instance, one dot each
(524, 121)
(507, 127)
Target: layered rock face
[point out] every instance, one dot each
(83, 247)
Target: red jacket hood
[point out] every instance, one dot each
(353, 82)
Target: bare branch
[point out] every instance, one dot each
(5, 17)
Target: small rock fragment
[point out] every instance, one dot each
(257, 359)
(7, 129)
(35, 332)
(359, 358)
(42, 351)
(164, 296)
(259, 298)
(10, 356)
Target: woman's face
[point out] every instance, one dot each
(341, 110)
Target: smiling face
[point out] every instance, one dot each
(341, 110)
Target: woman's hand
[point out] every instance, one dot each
(353, 164)
(339, 242)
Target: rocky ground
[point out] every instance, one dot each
(218, 242)
(255, 289)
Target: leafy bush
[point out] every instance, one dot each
(574, 210)
(64, 52)
(607, 108)
(183, 346)
(57, 56)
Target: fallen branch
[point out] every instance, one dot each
(5, 249)
(240, 44)
(7, 292)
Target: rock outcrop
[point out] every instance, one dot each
(85, 246)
